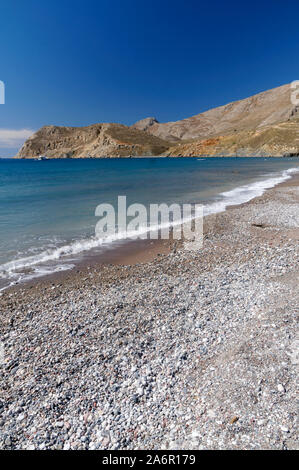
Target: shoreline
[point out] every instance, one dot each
(156, 156)
(192, 350)
(128, 253)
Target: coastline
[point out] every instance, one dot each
(186, 350)
(132, 252)
(162, 156)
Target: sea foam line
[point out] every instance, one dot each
(245, 193)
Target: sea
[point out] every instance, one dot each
(47, 208)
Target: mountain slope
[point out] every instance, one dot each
(266, 108)
(277, 140)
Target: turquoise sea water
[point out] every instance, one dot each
(47, 208)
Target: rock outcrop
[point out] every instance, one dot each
(145, 124)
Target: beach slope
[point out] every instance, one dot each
(190, 350)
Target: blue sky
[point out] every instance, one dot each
(76, 63)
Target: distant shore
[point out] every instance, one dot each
(189, 350)
(288, 155)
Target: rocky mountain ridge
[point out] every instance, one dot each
(265, 124)
(263, 109)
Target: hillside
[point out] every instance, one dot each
(277, 140)
(266, 108)
(98, 140)
(263, 125)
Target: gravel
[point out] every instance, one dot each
(194, 350)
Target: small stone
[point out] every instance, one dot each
(211, 414)
(234, 420)
(260, 422)
(21, 417)
(105, 441)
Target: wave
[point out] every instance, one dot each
(245, 193)
(39, 271)
(239, 195)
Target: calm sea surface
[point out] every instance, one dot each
(47, 208)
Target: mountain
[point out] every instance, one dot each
(263, 125)
(145, 124)
(266, 108)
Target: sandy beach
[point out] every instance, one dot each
(160, 347)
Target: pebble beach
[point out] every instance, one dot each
(188, 350)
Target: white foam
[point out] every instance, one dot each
(245, 193)
(17, 277)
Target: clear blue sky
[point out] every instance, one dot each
(80, 62)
